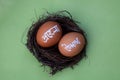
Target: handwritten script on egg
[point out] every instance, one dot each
(50, 33)
(72, 45)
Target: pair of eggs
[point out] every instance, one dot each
(69, 45)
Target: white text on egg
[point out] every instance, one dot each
(71, 45)
(50, 33)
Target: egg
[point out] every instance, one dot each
(49, 34)
(71, 44)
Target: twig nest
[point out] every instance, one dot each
(57, 41)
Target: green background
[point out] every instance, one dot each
(100, 19)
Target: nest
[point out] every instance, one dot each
(51, 56)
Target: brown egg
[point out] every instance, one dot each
(49, 34)
(71, 44)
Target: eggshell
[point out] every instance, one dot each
(71, 44)
(49, 34)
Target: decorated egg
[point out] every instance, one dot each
(71, 44)
(49, 34)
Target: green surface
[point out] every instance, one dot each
(99, 18)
